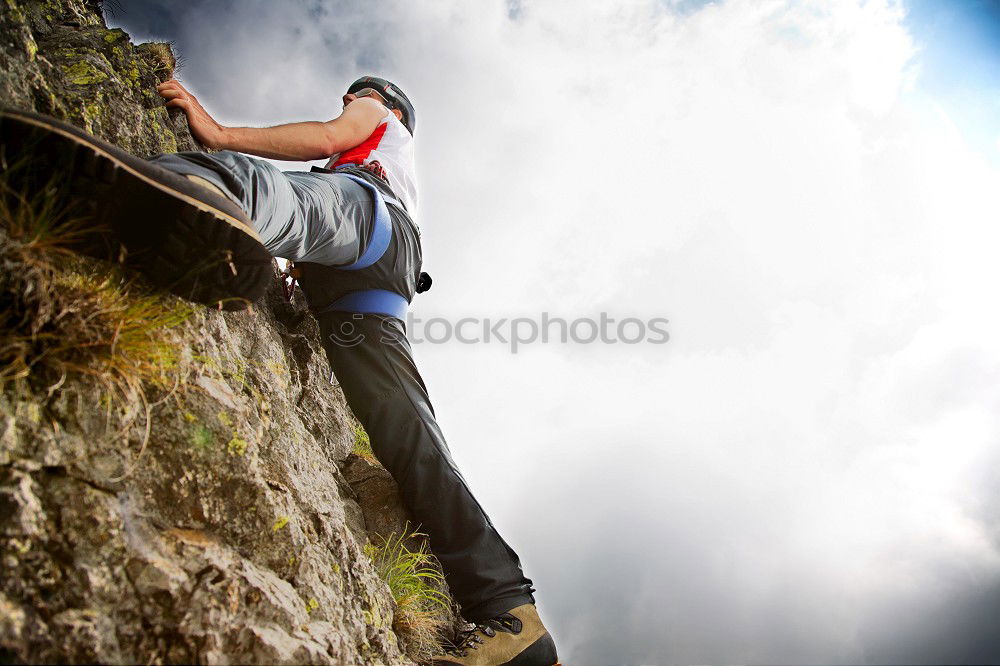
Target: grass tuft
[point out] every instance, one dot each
(66, 313)
(413, 580)
(363, 444)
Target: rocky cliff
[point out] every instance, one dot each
(172, 479)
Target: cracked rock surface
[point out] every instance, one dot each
(229, 538)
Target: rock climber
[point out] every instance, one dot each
(206, 226)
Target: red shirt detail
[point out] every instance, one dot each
(359, 153)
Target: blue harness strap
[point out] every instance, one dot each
(372, 301)
(381, 229)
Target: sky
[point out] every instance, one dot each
(807, 470)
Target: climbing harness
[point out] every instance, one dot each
(366, 301)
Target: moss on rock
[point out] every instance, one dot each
(82, 73)
(114, 35)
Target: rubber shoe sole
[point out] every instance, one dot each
(542, 651)
(179, 235)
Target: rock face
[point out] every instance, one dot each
(57, 57)
(196, 512)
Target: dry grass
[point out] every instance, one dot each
(412, 578)
(63, 315)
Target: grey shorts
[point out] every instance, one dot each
(324, 218)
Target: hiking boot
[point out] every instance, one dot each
(514, 638)
(181, 235)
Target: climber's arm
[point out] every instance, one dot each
(311, 140)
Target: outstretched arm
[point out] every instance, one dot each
(311, 140)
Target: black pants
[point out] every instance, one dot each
(372, 359)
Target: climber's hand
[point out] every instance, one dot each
(203, 126)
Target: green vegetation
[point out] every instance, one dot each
(412, 578)
(201, 437)
(363, 444)
(82, 73)
(237, 446)
(67, 315)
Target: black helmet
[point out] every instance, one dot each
(392, 94)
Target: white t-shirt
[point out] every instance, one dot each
(391, 146)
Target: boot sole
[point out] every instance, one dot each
(542, 652)
(182, 237)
